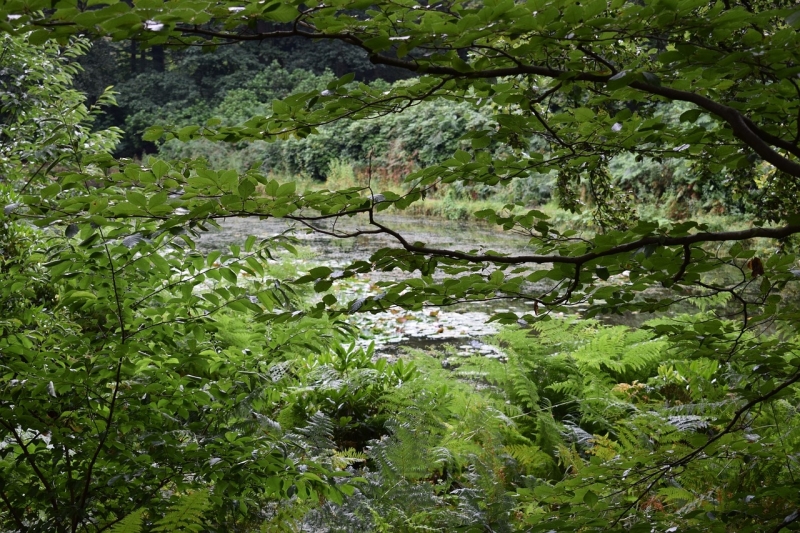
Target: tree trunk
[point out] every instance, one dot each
(158, 58)
(134, 61)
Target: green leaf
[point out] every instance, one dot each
(130, 524)
(282, 13)
(153, 133)
(691, 115)
(39, 37)
(280, 108)
(584, 114)
(73, 296)
(255, 265)
(228, 274)
(50, 190)
(286, 189)
(620, 80)
(160, 168)
(185, 133)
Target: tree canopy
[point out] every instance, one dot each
(586, 78)
(589, 80)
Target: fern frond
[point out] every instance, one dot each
(186, 514)
(254, 422)
(571, 387)
(627, 438)
(577, 435)
(317, 434)
(527, 455)
(703, 408)
(130, 524)
(688, 422)
(671, 494)
(523, 388)
(570, 458)
(280, 370)
(344, 458)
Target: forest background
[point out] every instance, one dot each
(151, 386)
(161, 86)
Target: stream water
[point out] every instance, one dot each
(461, 326)
(335, 251)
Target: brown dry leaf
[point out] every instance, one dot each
(756, 266)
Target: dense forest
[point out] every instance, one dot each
(643, 370)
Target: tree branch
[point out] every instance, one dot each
(32, 462)
(660, 240)
(793, 517)
(687, 258)
(17, 520)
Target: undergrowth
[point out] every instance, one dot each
(489, 446)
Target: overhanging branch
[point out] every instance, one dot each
(658, 240)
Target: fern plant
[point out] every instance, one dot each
(130, 524)
(635, 411)
(185, 514)
(569, 367)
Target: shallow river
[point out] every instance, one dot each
(330, 250)
(462, 326)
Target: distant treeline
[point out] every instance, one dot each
(159, 86)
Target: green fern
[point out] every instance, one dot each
(130, 524)
(531, 458)
(186, 514)
(570, 387)
(672, 494)
(317, 435)
(524, 389)
(348, 457)
(628, 437)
